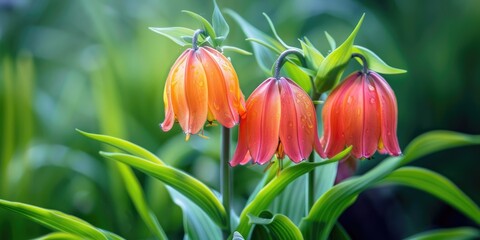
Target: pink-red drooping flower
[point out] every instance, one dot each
(362, 112)
(281, 119)
(202, 86)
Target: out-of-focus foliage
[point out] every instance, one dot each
(61, 62)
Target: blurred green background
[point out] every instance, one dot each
(95, 66)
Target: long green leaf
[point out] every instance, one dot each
(461, 233)
(332, 67)
(197, 224)
(330, 206)
(59, 236)
(276, 226)
(436, 141)
(437, 185)
(266, 195)
(374, 62)
(123, 145)
(190, 187)
(56, 220)
(176, 34)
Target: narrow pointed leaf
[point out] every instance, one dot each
(326, 210)
(220, 26)
(437, 185)
(331, 41)
(460, 233)
(236, 50)
(374, 62)
(175, 34)
(265, 57)
(123, 145)
(204, 22)
(277, 226)
(266, 195)
(237, 236)
(59, 236)
(190, 187)
(274, 31)
(55, 220)
(313, 56)
(332, 67)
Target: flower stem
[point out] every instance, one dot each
(281, 60)
(195, 38)
(226, 177)
(311, 181)
(364, 61)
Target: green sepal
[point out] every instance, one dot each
(374, 62)
(332, 67)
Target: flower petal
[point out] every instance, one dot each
(241, 155)
(218, 100)
(167, 92)
(190, 95)
(371, 123)
(263, 121)
(235, 95)
(388, 116)
(298, 125)
(333, 139)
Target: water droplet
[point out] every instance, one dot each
(289, 137)
(349, 100)
(372, 100)
(290, 124)
(371, 87)
(389, 133)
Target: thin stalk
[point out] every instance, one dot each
(226, 178)
(311, 181)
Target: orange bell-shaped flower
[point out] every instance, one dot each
(202, 85)
(281, 119)
(362, 112)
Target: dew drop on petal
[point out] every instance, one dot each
(349, 100)
(372, 100)
(371, 87)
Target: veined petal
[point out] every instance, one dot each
(371, 123)
(241, 155)
(167, 93)
(298, 122)
(263, 121)
(235, 95)
(333, 139)
(219, 103)
(388, 116)
(353, 115)
(189, 95)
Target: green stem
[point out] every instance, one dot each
(311, 182)
(226, 177)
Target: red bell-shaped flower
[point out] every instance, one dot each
(281, 119)
(362, 112)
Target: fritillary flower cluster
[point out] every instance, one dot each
(279, 118)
